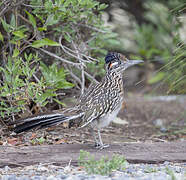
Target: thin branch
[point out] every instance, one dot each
(60, 58)
(9, 5)
(24, 19)
(66, 49)
(82, 69)
(3, 122)
(6, 7)
(83, 79)
(87, 57)
(72, 74)
(91, 39)
(91, 27)
(70, 54)
(91, 77)
(27, 5)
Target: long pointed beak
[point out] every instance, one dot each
(131, 63)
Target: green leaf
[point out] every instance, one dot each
(21, 102)
(44, 42)
(158, 77)
(43, 97)
(102, 6)
(31, 19)
(51, 20)
(12, 21)
(15, 53)
(64, 85)
(41, 140)
(1, 37)
(59, 102)
(5, 25)
(42, 28)
(67, 38)
(19, 34)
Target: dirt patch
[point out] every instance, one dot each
(151, 119)
(146, 119)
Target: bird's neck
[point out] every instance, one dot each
(115, 78)
(111, 75)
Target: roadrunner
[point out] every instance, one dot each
(96, 108)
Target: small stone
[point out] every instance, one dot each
(177, 169)
(30, 172)
(50, 177)
(42, 168)
(62, 176)
(24, 178)
(98, 177)
(29, 168)
(123, 177)
(166, 163)
(81, 177)
(130, 170)
(67, 169)
(158, 122)
(9, 177)
(163, 129)
(72, 178)
(36, 178)
(6, 168)
(160, 177)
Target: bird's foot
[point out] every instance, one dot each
(101, 146)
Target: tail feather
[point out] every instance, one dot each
(42, 121)
(49, 124)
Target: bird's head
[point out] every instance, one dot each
(118, 62)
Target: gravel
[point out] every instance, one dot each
(165, 171)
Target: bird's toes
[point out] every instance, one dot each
(101, 146)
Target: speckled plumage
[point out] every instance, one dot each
(102, 100)
(96, 108)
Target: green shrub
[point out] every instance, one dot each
(20, 87)
(44, 43)
(104, 166)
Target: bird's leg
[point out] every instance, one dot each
(95, 138)
(101, 145)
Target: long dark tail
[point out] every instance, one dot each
(42, 121)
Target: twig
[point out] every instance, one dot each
(27, 5)
(70, 54)
(3, 123)
(87, 57)
(66, 49)
(91, 77)
(6, 7)
(24, 19)
(33, 74)
(9, 5)
(60, 58)
(82, 69)
(72, 74)
(91, 27)
(83, 79)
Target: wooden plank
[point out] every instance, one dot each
(61, 154)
